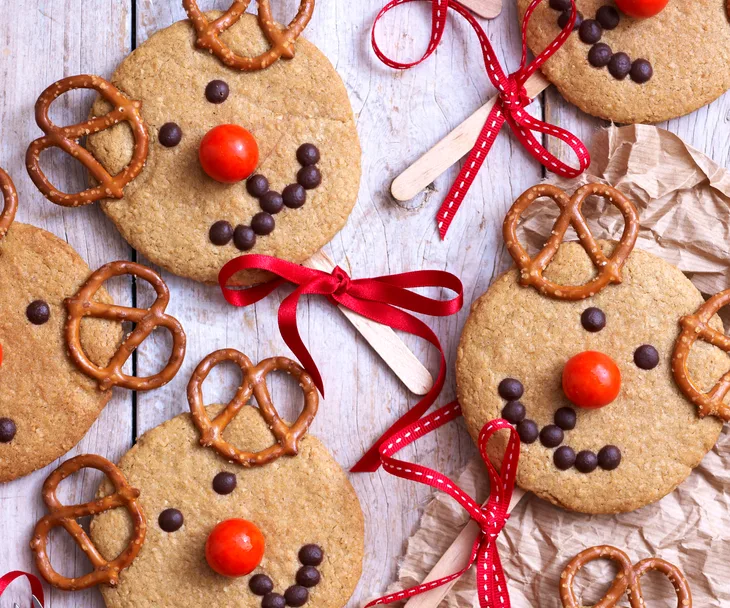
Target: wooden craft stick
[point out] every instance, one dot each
(453, 147)
(455, 558)
(488, 9)
(383, 340)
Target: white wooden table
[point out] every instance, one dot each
(400, 115)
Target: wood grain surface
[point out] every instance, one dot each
(400, 116)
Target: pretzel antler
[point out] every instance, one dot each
(694, 327)
(10, 206)
(105, 572)
(281, 40)
(83, 305)
(609, 269)
(253, 383)
(67, 139)
(628, 579)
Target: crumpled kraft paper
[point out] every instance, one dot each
(684, 204)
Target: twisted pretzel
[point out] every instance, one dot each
(628, 580)
(66, 138)
(281, 40)
(82, 305)
(105, 572)
(253, 383)
(10, 196)
(698, 326)
(609, 269)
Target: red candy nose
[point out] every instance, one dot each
(591, 380)
(229, 154)
(235, 547)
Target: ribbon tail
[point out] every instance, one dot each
(471, 168)
(491, 581)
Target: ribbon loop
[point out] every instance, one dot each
(384, 300)
(491, 517)
(35, 584)
(512, 99)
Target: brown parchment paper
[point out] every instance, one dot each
(684, 203)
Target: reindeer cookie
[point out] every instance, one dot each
(218, 136)
(46, 404)
(242, 509)
(578, 347)
(628, 69)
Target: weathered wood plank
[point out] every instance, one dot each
(46, 40)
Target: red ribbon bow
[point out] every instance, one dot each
(510, 106)
(379, 299)
(35, 585)
(491, 517)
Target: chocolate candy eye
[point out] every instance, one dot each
(38, 312)
(646, 357)
(593, 319)
(170, 520)
(224, 483)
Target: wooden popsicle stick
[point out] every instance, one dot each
(488, 9)
(453, 147)
(383, 339)
(455, 559)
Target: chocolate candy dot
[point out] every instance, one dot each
(641, 71)
(309, 177)
(609, 457)
(565, 18)
(590, 31)
(170, 134)
(619, 66)
(593, 319)
(273, 600)
(551, 436)
(514, 412)
(263, 223)
(646, 357)
(7, 430)
(528, 431)
(224, 483)
(564, 457)
(217, 91)
(311, 555)
(170, 520)
(308, 576)
(272, 202)
(260, 584)
(307, 155)
(566, 418)
(608, 17)
(599, 55)
(586, 461)
(38, 312)
(296, 596)
(294, 196)
(257, 185)
(244, 238)
(560, 5)
(221, 233)
(510, 389)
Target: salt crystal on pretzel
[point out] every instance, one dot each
(10, 206)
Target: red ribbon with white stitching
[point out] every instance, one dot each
(35, 584)
(511, 102)
(384, 300)
(491, 517)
